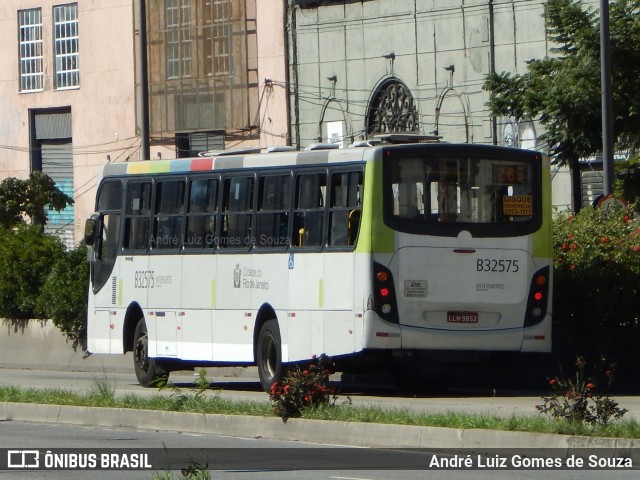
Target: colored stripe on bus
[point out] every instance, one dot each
(171, 166)
(200, 164)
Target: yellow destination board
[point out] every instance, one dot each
(517, 205)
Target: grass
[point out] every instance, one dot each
(194, 401)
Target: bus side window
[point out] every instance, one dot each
(344, 214)
(109, 206)
(138, 203)
(201, 214)
(168, 219)
(109, 236)
(308, 224)
(237, 209)
(272, 218)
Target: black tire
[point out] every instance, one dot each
(148, 371)
(269, 355)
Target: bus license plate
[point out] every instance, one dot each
(462, 317)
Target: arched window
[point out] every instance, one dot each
(392, 110)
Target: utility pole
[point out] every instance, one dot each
(142, 86)
(607, 109)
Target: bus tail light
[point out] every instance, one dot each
(384, 297)
(538, 293)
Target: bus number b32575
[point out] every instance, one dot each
(494, 265)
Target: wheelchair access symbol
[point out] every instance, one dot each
(23, 459)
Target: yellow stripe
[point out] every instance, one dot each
(213, 294)
(138, 167)
(321, 293)
(120, 291)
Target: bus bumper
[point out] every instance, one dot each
(379, 334)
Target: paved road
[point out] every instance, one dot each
(230, 453)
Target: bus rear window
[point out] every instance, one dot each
(445, 194)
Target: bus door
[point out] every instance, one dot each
(345, 203)
(198, 284)
(306, 267)
(102, 234)
(135, 278)
(165, 263)
(234, 317)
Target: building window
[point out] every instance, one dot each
(393, 110)
(178, 38)
(31, 61)
(220, 37)
(65, 39)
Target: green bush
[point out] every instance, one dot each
(40, 279)
(597, 269)
(27, 256)
(302, 389)
(582, 398)
(63, 297)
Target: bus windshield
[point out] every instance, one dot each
(443, 194)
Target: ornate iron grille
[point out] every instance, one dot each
(393, 110)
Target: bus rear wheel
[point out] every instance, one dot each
(148, 371)
(269, 355)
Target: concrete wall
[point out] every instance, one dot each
(36, 344)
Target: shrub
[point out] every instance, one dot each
(579, 398)
(27, 256)
(63, 297)
(597, 268)
(301, 389)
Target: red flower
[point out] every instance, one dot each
(573, 246)
(589, 386)
(552, 381)
(634, 248)
(565, 246)
(605, 239)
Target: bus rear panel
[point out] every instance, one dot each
(470, 265)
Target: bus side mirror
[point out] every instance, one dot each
(90, 231)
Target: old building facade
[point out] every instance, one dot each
(79, 88)
(75, 94)
(363, 68)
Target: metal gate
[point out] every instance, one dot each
(57, 162)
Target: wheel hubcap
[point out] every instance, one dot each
(269, 361)
(141, 353)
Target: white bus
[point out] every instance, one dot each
(403, 255)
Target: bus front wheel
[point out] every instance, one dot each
(269, 355)
(148, 372)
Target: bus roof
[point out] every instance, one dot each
(226, 161)
(246, 158)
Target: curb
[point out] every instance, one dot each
(352, 434)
